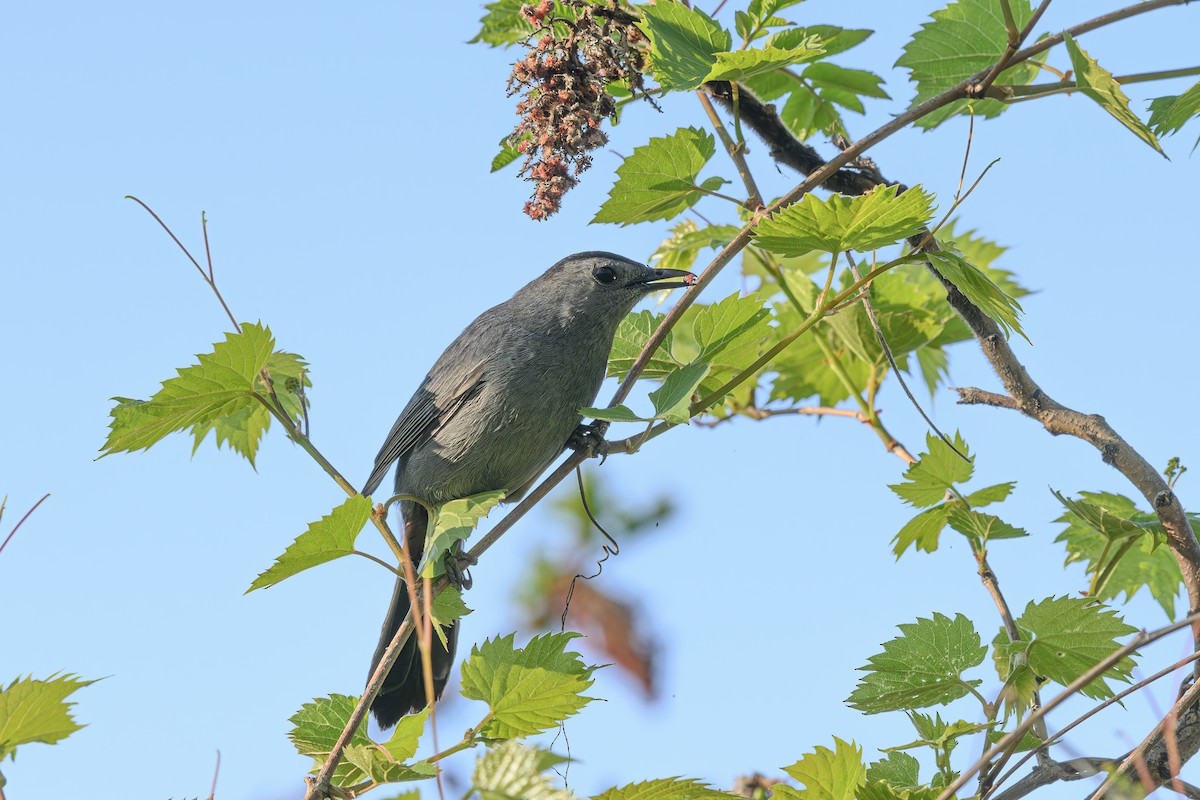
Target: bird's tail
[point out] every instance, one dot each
(403, 689)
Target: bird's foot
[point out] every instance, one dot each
(589, 440)
(458, 568)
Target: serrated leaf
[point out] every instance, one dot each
(512, 770)
(897, 769)
(830, 774)
(528, 689)
(317, 726)
(402, 744)
(980, 528)
(448, 606)
(618, 413)
(977, 287)
(802, 370)
(504, 25)
(1070, 636)
(686, 242)
(741, 65)
(632, 335)
(963, 39)
(844, 86)
(732, 333)
(36, 710)
(659, 180)
(922, 531)
(922, 667)
(990, 494)
(379, 767)
(454, 522)
(673, 399)
(938, 468)
(1169, 114)
(938, 734)
(1098, 83)
(508, 153)
(684, 43)
(220, 387)
(328, 538)
(832, 38)
(876, 219)
(1146, 564)
(665, 789)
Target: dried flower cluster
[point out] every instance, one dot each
(562, 80)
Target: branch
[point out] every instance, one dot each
(1141, 639)
(1182, 724)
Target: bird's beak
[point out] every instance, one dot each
(661, 279)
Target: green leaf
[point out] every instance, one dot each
(876, 219)
(1070, 636)
(979, 527)
(1169, 114)
(528, 689)
(35, 710)
(1103, 520)
(686, 242)
(402, 744)
(508, 153)
(684, 43)
(938, 734)
(977, 287)
(217, 391)
(632, 335)
(731, 333)
(1144, 564)
(503, 24)
(665, 789)
(937, 469)
(673, 399)
(377, 766)
(964, 38)
(618, 413)
(740, 65)
(448, 606)
(512, 770)
(833, 39)
(922, 531)
(830, 774)
(329, 538)
(1098, 83)
(991, 494)
(922, 667)
(897, 769)
(317, 726)
(659, 180)
(845, 86)
(454, 522)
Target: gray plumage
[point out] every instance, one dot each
(496, 409)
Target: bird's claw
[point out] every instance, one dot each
(589, 440)
(458, 568)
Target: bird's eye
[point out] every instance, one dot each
(604, 275)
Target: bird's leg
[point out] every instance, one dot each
(590, 440)
(458, 565)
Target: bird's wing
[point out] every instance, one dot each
(427, 411)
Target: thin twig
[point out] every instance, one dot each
(736, 153)
(1139, 753)
(1118, 697)
(1141, 639)
(20, 521)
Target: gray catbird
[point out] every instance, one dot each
(495, 410)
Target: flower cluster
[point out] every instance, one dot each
(563, 81)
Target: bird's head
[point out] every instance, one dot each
(602, 285)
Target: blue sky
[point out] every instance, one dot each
(341, 154)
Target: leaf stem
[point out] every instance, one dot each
(735, 151)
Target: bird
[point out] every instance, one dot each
(495, 410)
